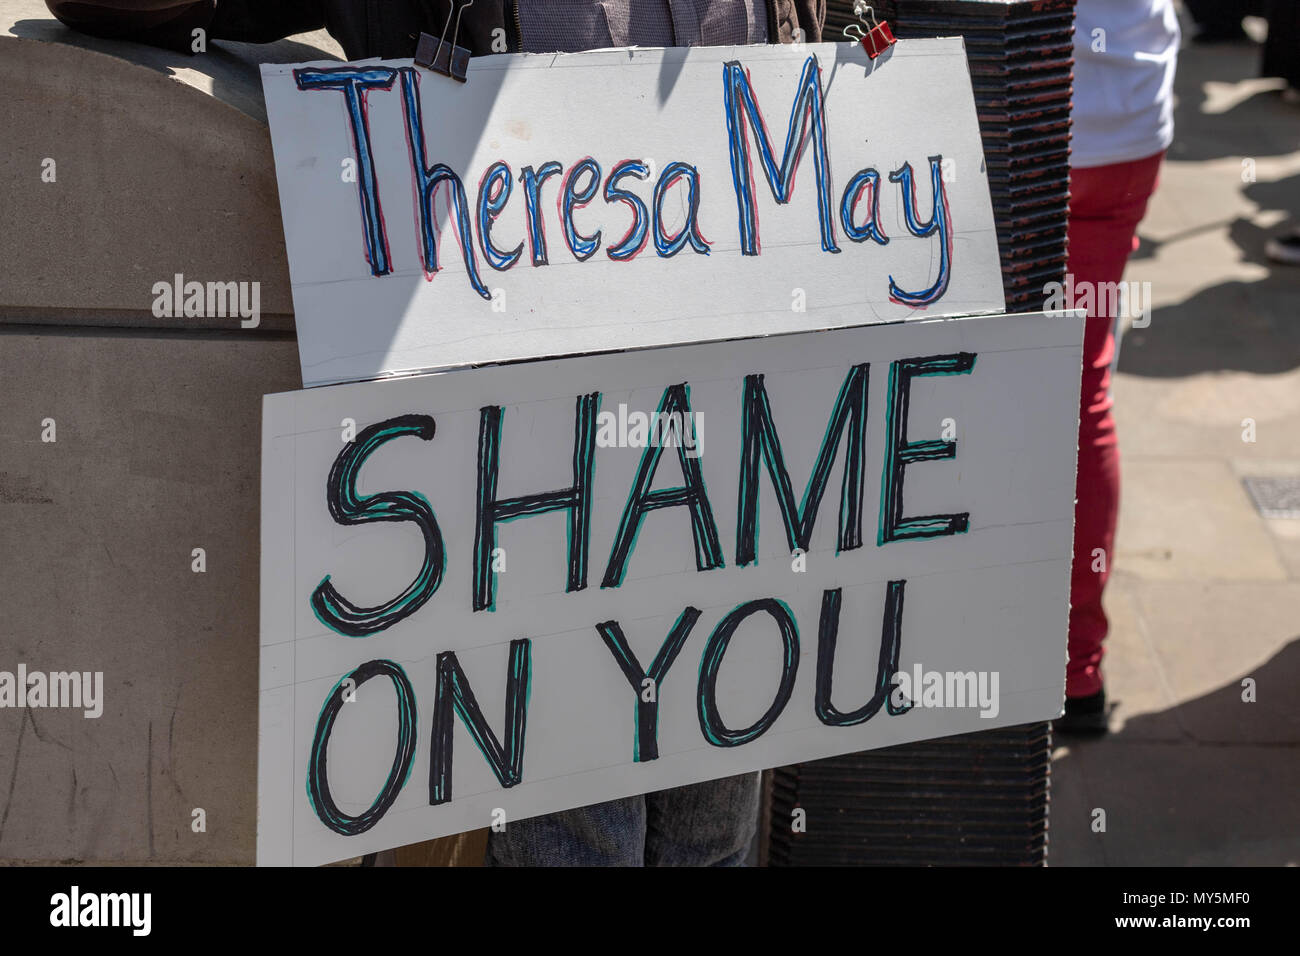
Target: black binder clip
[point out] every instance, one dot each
(442, 55)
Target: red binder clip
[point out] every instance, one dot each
(875, 36)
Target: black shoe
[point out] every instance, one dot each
(1284, 249)
(1083, 717)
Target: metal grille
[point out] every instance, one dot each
(1275, 497)
(977, 799)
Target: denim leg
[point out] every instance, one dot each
(704, 824)
(604, 834)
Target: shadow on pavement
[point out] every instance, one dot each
(1256, 124)
(1233, 326)
(1211, 781)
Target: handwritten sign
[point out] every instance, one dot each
(599, 201)
(542, 585)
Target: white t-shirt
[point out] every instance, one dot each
(1124, 57)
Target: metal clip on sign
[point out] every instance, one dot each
(876, 38)
(442, 55)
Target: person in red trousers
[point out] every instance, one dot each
(1125, 55)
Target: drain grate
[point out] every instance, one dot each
(1275, 497)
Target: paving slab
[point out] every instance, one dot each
(1190, 519)
(1209, 637)
(1135, 682)
(1173, 805)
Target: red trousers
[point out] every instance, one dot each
(1106, 205)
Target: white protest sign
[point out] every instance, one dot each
(598, 201)
(515, 589)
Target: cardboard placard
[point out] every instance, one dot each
(585, 202)
(517, 590)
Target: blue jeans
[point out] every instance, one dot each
(704, 824)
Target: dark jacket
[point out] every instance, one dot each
(364, 28)
(479, 22)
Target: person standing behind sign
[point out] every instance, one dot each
(389, 29)
(711, 823)
(1125, 53)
